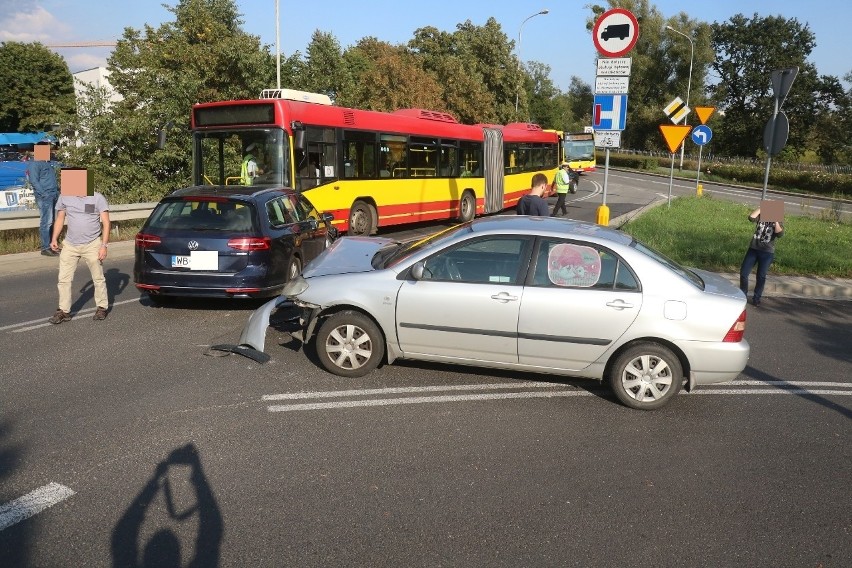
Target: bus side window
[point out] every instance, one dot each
(448, 161)
(395, 148)
(359, 154)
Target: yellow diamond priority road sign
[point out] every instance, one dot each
(676, 110)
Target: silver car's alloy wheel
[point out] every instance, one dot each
(646, 376)
(349, 344)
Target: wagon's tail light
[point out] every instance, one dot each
(250, 243)
(737, 330)
(144, 241)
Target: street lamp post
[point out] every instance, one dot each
(277, 45)
(518, 87)
(688, 83)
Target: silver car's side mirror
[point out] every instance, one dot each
(417, 270)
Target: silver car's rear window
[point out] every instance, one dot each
(669, 263)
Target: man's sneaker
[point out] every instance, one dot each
(100, 314)
(59, 317)
(49, 252)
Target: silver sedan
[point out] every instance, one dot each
(529, 294)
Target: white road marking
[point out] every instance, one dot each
(32, 504)
(776, 388)
(400, 390)
(785, 383)
(767, 391)
(422, 400)
(42, 322)
(597, 191)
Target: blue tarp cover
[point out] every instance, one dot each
(24, 138)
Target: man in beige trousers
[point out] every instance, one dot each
(87, 238)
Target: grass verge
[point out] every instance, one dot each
(714, 234)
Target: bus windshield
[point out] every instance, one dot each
(579, 150)
(257, 156)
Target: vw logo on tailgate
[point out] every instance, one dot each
(193, 245)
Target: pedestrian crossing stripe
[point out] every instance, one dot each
(676, 110)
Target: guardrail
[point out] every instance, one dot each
(29, 218)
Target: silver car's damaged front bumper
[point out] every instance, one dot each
(252, 341)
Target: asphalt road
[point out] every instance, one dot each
(161, 451)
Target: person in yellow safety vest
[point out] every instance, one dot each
(249, 168)
(563, 184)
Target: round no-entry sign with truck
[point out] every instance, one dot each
(616, 32)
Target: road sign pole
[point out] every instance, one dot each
(769, 151)
(698, 173)
(603, 209)
(671, 178)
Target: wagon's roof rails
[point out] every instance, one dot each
(294, 95)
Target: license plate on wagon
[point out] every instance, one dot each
(197, 260)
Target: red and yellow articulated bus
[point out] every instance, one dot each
(370, 169)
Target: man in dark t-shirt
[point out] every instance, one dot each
(533, 203)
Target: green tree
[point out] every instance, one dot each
(202, 56)
(463, 90)
(546, 107)
(36, 88)
(747, 51)
(486, 52)
(842, 145)
(579, 100)
(323, 68)
(388, 77)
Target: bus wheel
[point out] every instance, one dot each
(467, 207)
(361, 217)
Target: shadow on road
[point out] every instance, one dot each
(176, 501)
(14, 541)
(759, 375)
(116, 282)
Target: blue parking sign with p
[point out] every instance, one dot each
(609, 112)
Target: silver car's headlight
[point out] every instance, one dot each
(294, 287)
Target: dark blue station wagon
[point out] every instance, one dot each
(228, 242)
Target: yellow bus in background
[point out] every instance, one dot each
(579, 151)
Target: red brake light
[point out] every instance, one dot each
(735, 334)
(145, 241)
(250, 243)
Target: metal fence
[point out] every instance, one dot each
(709, 157)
